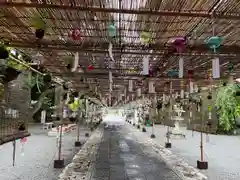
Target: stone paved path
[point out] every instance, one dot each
(121, 158)
(40, 151)
(221, 152)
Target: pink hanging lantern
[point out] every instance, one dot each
(179, 43)
(75, 34)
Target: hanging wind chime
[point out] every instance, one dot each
(40, 27)
(179, 44)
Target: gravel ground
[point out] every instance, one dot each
(39, 153)
(221, 152)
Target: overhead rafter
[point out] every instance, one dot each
(188, 13)
(197, 50)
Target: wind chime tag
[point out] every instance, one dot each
(76, 62)
(139, 92)
(145, 65)
(130, 85)
(151, 87)
(191, 87)
(22, 142)
(215, 68)
(209, 112)
(180, 73)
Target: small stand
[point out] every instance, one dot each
(202, 164)
(59, 163)
(78, 143)
(144, 129)
(168, 144)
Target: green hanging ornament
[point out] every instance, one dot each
(230, 67)
(111, 30)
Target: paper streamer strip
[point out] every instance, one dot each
(195, 88)
(215, 68)
(145, 65)
(182, 89)
(151, 88)
(180, 73)
(76, 61)
(110, 81)
(191, 87)
(110, 51)
(139, 92)
(130, 85)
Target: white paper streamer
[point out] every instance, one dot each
(130, 85)
(145, 65)
(195, 88)
(139, 92)
(215, 68)
(164, 97)
(190, 114)
(209, 115)
(151, 87)
(76, 61)
(180, 73)
(182, 93)
(191, 87)
(110, 51)
(110, 81)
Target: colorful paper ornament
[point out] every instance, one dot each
(90, 67)
(230, 67)
(145, 37)
(111, 30)
(75, 34)
(172, 73)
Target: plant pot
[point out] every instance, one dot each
(78, 144)
(168, 145)
(153, 136)
(3, 53)
(144, 129)
(39, 33)
(58, 164)
(202, 165)
(10, 74)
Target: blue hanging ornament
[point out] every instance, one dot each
(172, 73)
(214, 42)
(111, 30)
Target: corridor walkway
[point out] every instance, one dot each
(120, 157)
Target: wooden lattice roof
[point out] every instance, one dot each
(164, 19)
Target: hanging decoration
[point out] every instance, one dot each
(145, 65)
(90, 67)
(76, 62)
(145, 37)
(182, 89)
(130, 85)
(151, 87)
(112, 31)
(172, 73)
(40, 27)
(214, 43)
(22, 142)
(75, 34)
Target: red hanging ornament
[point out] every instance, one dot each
(75, 34)
(90, 67)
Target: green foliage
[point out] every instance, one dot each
(227, 106)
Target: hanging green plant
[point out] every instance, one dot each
(227, 105)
